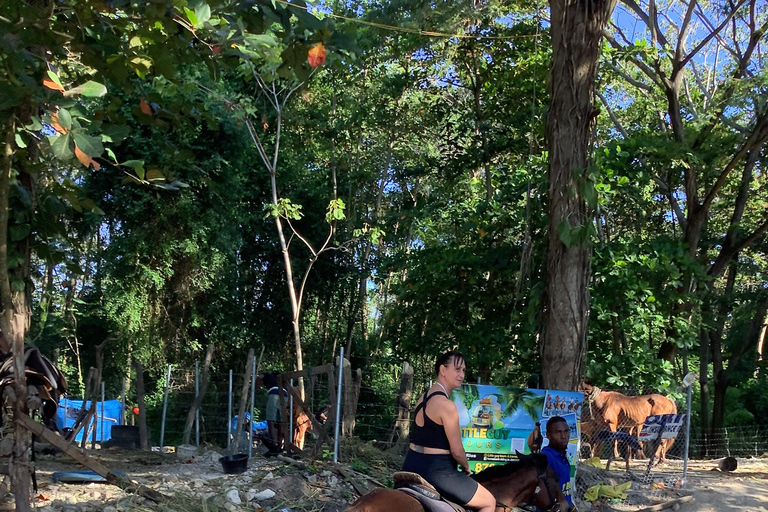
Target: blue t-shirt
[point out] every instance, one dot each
(562, 467)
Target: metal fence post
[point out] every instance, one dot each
(102, 412)
(290, 418)
(197, 410)
(687, 434)
(229, 413)
(338, 409)
(250, 423)
(123, 415)
(165, 407)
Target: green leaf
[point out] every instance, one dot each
(53, 76)
(18, 232)
(89, 145)
(35, 125)
(65, 119)
(89, 89)
(115, 133)
(20, 142)
(191, 16)
(203, 13)
(136, 165)
(60, 144)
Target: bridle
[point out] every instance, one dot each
(541, 482)
(590, 399)
(530, 505)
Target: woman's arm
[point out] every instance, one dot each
(450, 417)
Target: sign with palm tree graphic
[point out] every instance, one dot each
(498, 421)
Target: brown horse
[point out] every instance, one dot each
(511, 484)
(612, 410)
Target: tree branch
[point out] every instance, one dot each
(678, 58)
(712, 34)
(613, 117)
(623, 74)
(665, 188)
(653, 25)
(725, 256)
(756, 138)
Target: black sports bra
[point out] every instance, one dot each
(431, 435)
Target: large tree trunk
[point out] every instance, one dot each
(577, 29)
(15, 315)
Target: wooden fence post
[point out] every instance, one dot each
(402, 426)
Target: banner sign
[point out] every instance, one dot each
(671, 423)
(496, 421)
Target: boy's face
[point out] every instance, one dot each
(558, 434)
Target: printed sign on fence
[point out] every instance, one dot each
(496, 421)
(671, 423)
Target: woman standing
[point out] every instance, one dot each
(436, 445)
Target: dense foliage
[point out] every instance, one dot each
(427, 123)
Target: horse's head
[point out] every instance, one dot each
(547, 495)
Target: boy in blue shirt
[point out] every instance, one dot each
(559, 433)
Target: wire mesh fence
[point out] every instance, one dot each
(609, 455)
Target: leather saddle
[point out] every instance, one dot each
(418, 488)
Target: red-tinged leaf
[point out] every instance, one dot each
(216, 49)
(86, 160)
(144, 106)
(47, 82)
(55, 123)
(481, 231)
(316, 55)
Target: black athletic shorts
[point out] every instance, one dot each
(440, 471)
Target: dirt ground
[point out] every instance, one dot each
(745, 489)
(271, 484)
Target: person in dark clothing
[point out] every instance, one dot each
(558, 434)
(273, 415)
(436, 444)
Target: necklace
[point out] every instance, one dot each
(446, 391)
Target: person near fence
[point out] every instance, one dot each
(559, 434)
(273, 415)
(436, 445)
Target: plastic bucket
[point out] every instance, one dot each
(236, 463)
(186, 451)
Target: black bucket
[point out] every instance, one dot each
(236, 463)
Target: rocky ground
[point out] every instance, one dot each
(279, 484)
(200, 484)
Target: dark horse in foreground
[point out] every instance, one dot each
(529, 480)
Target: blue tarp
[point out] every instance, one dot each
(108, 413)
(259, 425)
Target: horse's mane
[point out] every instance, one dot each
(500, 471)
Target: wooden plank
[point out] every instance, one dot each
(359, 488)
(111, 477)
(319, 370)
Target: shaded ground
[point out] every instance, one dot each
(270, 484)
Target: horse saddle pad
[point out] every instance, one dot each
(415, 486)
